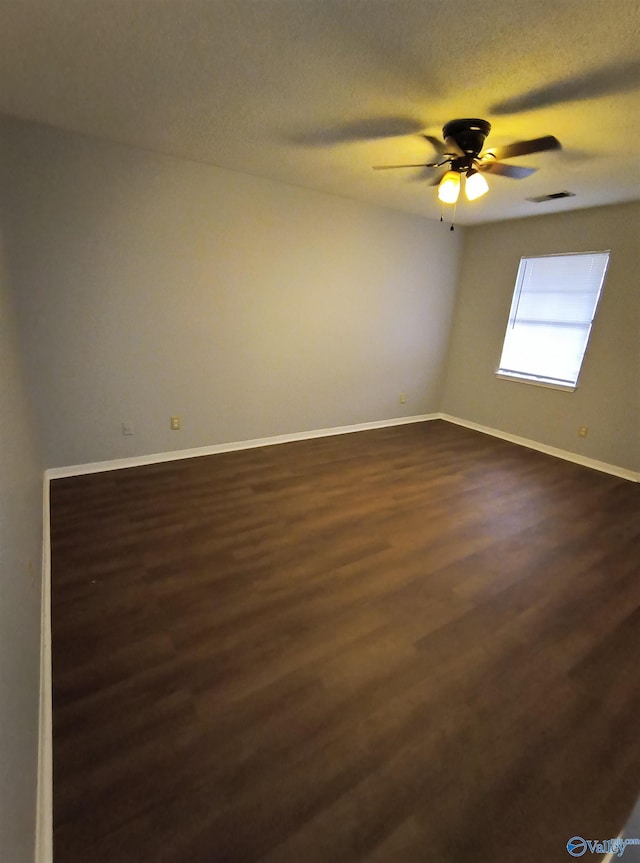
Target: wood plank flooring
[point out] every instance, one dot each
(410, 644)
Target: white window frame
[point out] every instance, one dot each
(530, 377)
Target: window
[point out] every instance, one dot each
(553, 307)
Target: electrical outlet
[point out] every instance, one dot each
(127, 428)
(175, 423)
(403, 398)
(583, 431)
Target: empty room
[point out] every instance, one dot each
(319, 431)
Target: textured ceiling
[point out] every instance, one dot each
(315, 92)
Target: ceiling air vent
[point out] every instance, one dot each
(552, 197)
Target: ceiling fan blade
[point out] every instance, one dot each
(421, 165)
(452, 149)
(615, 78)
(516, 172)
(366, 129)
(523, 148)
(436, 180)
(439, 146)
(421, 176)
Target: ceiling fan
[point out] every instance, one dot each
(462, 151)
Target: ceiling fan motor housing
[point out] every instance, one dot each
(467, 135)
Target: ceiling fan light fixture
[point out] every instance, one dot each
(449, 188)
(475, 186)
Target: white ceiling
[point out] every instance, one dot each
(315, 92)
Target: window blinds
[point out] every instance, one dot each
(553, 307)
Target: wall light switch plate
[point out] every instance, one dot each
(127, 428)
(175, 423)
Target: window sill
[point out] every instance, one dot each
(567, 388)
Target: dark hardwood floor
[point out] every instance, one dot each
(410, 644)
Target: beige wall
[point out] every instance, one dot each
(20, 545)
(607, 399)
(150, 286)
(145, 286)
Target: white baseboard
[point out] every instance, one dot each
(567, 455)
(232, 446)
(155, 458)
(44, 798)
